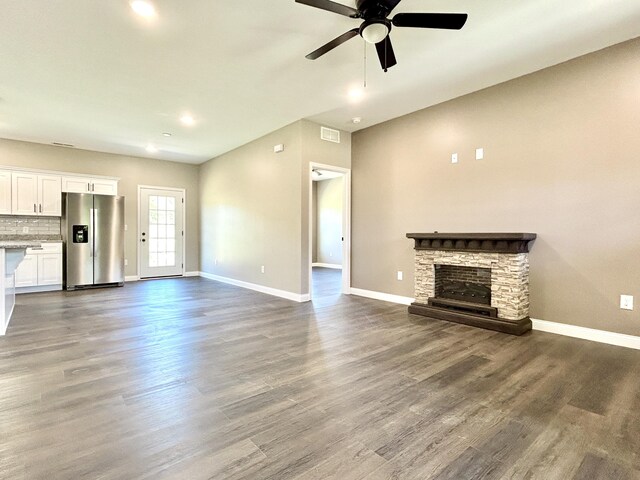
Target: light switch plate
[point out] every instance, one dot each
(479, 153)
(626, 302)
(454, 158)
(400, 275)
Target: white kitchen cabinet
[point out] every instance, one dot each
(5, 192)
(33, 194)
(41, 269)
(100, 186)
(27, 272)
(50, 269)
(24, 193)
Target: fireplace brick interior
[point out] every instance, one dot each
(468, 284)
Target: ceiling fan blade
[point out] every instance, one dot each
(385, 53)
(450, 21)
(333, 44)
(330, 6)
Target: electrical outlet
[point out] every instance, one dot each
(479, 153)
(215, 262)
(126, 262)
(331, 254)
(454, 158)
(262, 269)
(25, 229)
(400, 276)
(626, 302)
(125, 227)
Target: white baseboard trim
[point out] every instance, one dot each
(385, 297)
(600, 336)
(191, 274)
(327, 265)
(296, 297)
(131, 278)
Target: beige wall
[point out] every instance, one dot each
(254, 207)
(251, 212)
(329, 220)
(133, 171)
(561, 160)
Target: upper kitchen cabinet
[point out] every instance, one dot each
(5, 192)
(100, 186)
(33, 194)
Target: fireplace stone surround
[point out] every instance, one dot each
(505, 255)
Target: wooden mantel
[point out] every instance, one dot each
(474, 242)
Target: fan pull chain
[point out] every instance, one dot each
(365, 64)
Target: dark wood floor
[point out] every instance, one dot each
(192, 379)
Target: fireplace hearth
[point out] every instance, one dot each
(480, 279)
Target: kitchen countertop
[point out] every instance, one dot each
(19, 244)
(31, 238)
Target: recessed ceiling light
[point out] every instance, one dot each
(151, 148)
(356, 94)
(187, 119)
(356, 119)
(166, 134)
(143, 8)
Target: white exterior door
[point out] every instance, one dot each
(161, 233)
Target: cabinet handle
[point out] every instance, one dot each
(34, 208)
(40, 208)
(88, 187)
(93, 187)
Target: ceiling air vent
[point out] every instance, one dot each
(329, 135)
(59, 144)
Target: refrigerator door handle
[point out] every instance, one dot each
(92, 234)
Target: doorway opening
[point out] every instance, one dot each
(160, 232)
(329, 232)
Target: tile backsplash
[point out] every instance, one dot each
(15, 225)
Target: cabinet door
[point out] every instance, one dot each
(27, 272)
(5, 192)
(50, 195)
(24, 193)
(104, 187)
(49, 269)
(76, 184)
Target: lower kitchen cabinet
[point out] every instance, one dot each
(41, 269)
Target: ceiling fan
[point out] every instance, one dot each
(376, 26)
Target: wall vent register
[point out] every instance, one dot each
(330, 135)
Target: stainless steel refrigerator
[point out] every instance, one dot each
(93, 235)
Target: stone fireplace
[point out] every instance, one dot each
(480, 279)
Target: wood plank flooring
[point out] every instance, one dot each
(193, 379)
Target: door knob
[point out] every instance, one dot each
(144, 240)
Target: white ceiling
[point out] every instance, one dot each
(90, 73)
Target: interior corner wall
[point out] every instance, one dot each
(560, 160)
(133, 171)
(251, 213)
(329, 204)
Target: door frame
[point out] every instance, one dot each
(346, 225)
(184, 225)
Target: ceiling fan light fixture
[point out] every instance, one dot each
(374, 32)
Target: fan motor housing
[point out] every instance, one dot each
(375, 8)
